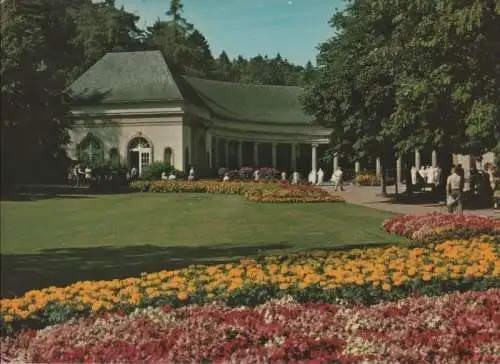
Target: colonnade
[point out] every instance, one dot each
(224, 152)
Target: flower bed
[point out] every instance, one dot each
(449, 329)
(367, 276)
(255, 192)
(367, 179)
(291, 193)
(436, 226)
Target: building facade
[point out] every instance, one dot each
(130, 108)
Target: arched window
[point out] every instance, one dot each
(114, 156)
(167, 156)
(90, 150)
(139, 141)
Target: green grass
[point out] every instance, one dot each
(60, 240)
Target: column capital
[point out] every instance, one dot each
(315, 145)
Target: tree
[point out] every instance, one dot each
(202, 62)
(172, 37)
(352, 94)
(101, 28)
(36, 55)
(405, 74)
(445, 54)
(224, 67)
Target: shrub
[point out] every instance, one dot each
(245, 173)
(154, 171)
(222, 172)
(269, 173)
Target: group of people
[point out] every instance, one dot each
(172, 176)
(314, 178)
(426, 176)
(317, 178)
(79, 175)
(482, 186)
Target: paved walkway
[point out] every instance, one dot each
(370, 197)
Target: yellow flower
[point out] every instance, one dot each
(386, 287)
(182, 296)
(284, 286)
(8, 318)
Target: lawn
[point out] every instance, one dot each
(60, 240)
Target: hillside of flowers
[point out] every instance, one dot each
(266, 191)
(437, 226)
(448, 329)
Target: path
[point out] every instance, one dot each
(370, 197)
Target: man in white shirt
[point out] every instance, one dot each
(337, 179)
(454, 192)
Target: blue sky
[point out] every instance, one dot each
(294, 28)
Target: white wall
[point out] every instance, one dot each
(166, 132)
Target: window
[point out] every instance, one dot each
(167, 156)
(114, 156)
(136, 142)
(90, 150)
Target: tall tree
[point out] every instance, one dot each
(352, 94)
(101, 28)
(36, 55)
(404, 74)
(224, 67)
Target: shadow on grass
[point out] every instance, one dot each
(29, 197)
(59, 267)
(22, 272)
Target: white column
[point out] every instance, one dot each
(314, 156)
(209, 148)
(294, 157)
(357, 167)
(398, 170)
(377, 167)
(434, 158)
(417, 159)
(215, 157)
(256, 154)
(226, 157)
(240, 153)
(335, 162)
(274, 154)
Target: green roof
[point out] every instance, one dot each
(247, 102)
(135, 77)
(126, 77)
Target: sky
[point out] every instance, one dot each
(294, 28)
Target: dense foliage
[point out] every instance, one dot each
(412, 74)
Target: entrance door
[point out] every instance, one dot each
(143, 157)
(134, 159)
(140, 154)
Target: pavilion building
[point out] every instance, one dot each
(130, 108)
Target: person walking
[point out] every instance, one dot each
(454, 190)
